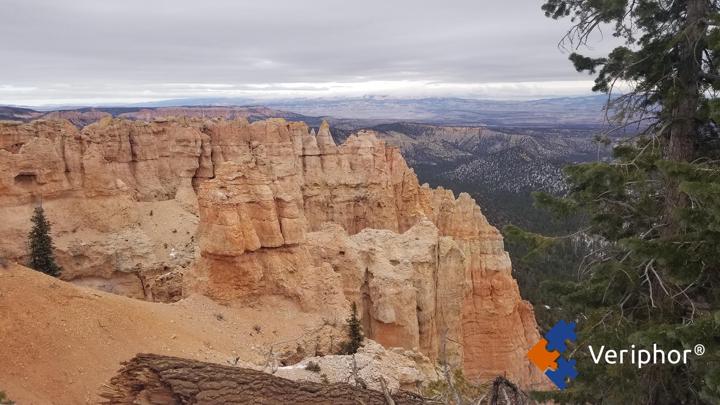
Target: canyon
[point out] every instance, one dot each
(267, 215)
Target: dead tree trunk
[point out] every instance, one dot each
(683, 131)
(150, 379)
(504, 392)
(684, 125)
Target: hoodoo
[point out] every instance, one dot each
(239, 211)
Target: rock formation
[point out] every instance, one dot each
(280, 211)
(79, 118)
(401, 369)
(61, 342)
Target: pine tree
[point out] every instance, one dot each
(41, 245)
(642, 285)
(670, 53)
(653, 213)
(354, 331)
(670, 58)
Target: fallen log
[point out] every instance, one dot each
(150, 379)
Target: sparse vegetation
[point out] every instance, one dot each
(312, 366)
(257, 328)
(653, 218)
(458, 390)
(41, 245)
(354, 331)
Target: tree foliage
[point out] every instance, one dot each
(643, 285)
(669, 58)
(539, 260)
(652, 275)
(41, 245)
(354, 332)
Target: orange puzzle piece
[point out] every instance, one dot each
(541, 357)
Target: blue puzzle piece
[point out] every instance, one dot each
(565, 370)
(559, 333)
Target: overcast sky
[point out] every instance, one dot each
(99, 52)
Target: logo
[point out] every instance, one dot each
(545, 355)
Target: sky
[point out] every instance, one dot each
(93, 52)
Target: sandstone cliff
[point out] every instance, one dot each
(280, 211)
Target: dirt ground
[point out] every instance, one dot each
(59, 343)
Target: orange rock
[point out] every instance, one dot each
(283, 212)
(462, 289)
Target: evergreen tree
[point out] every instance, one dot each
(641, 285)
(653, 274)
(41, 245)
(671, 55)
(354, 331)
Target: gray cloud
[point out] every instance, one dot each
(90, 50)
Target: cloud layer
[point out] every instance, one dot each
(62, 51)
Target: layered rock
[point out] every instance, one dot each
(359, 184)
(52, 158)
(79, 118)
(119, 194)
(409, 287)
(382, 233)
(283, 211)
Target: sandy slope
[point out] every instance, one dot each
(59, 343)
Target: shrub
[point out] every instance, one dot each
(354, 331)
(313, 366)
(458, 387)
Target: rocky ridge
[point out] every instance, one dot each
(241, 211)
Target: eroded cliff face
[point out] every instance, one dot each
(238, 211)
